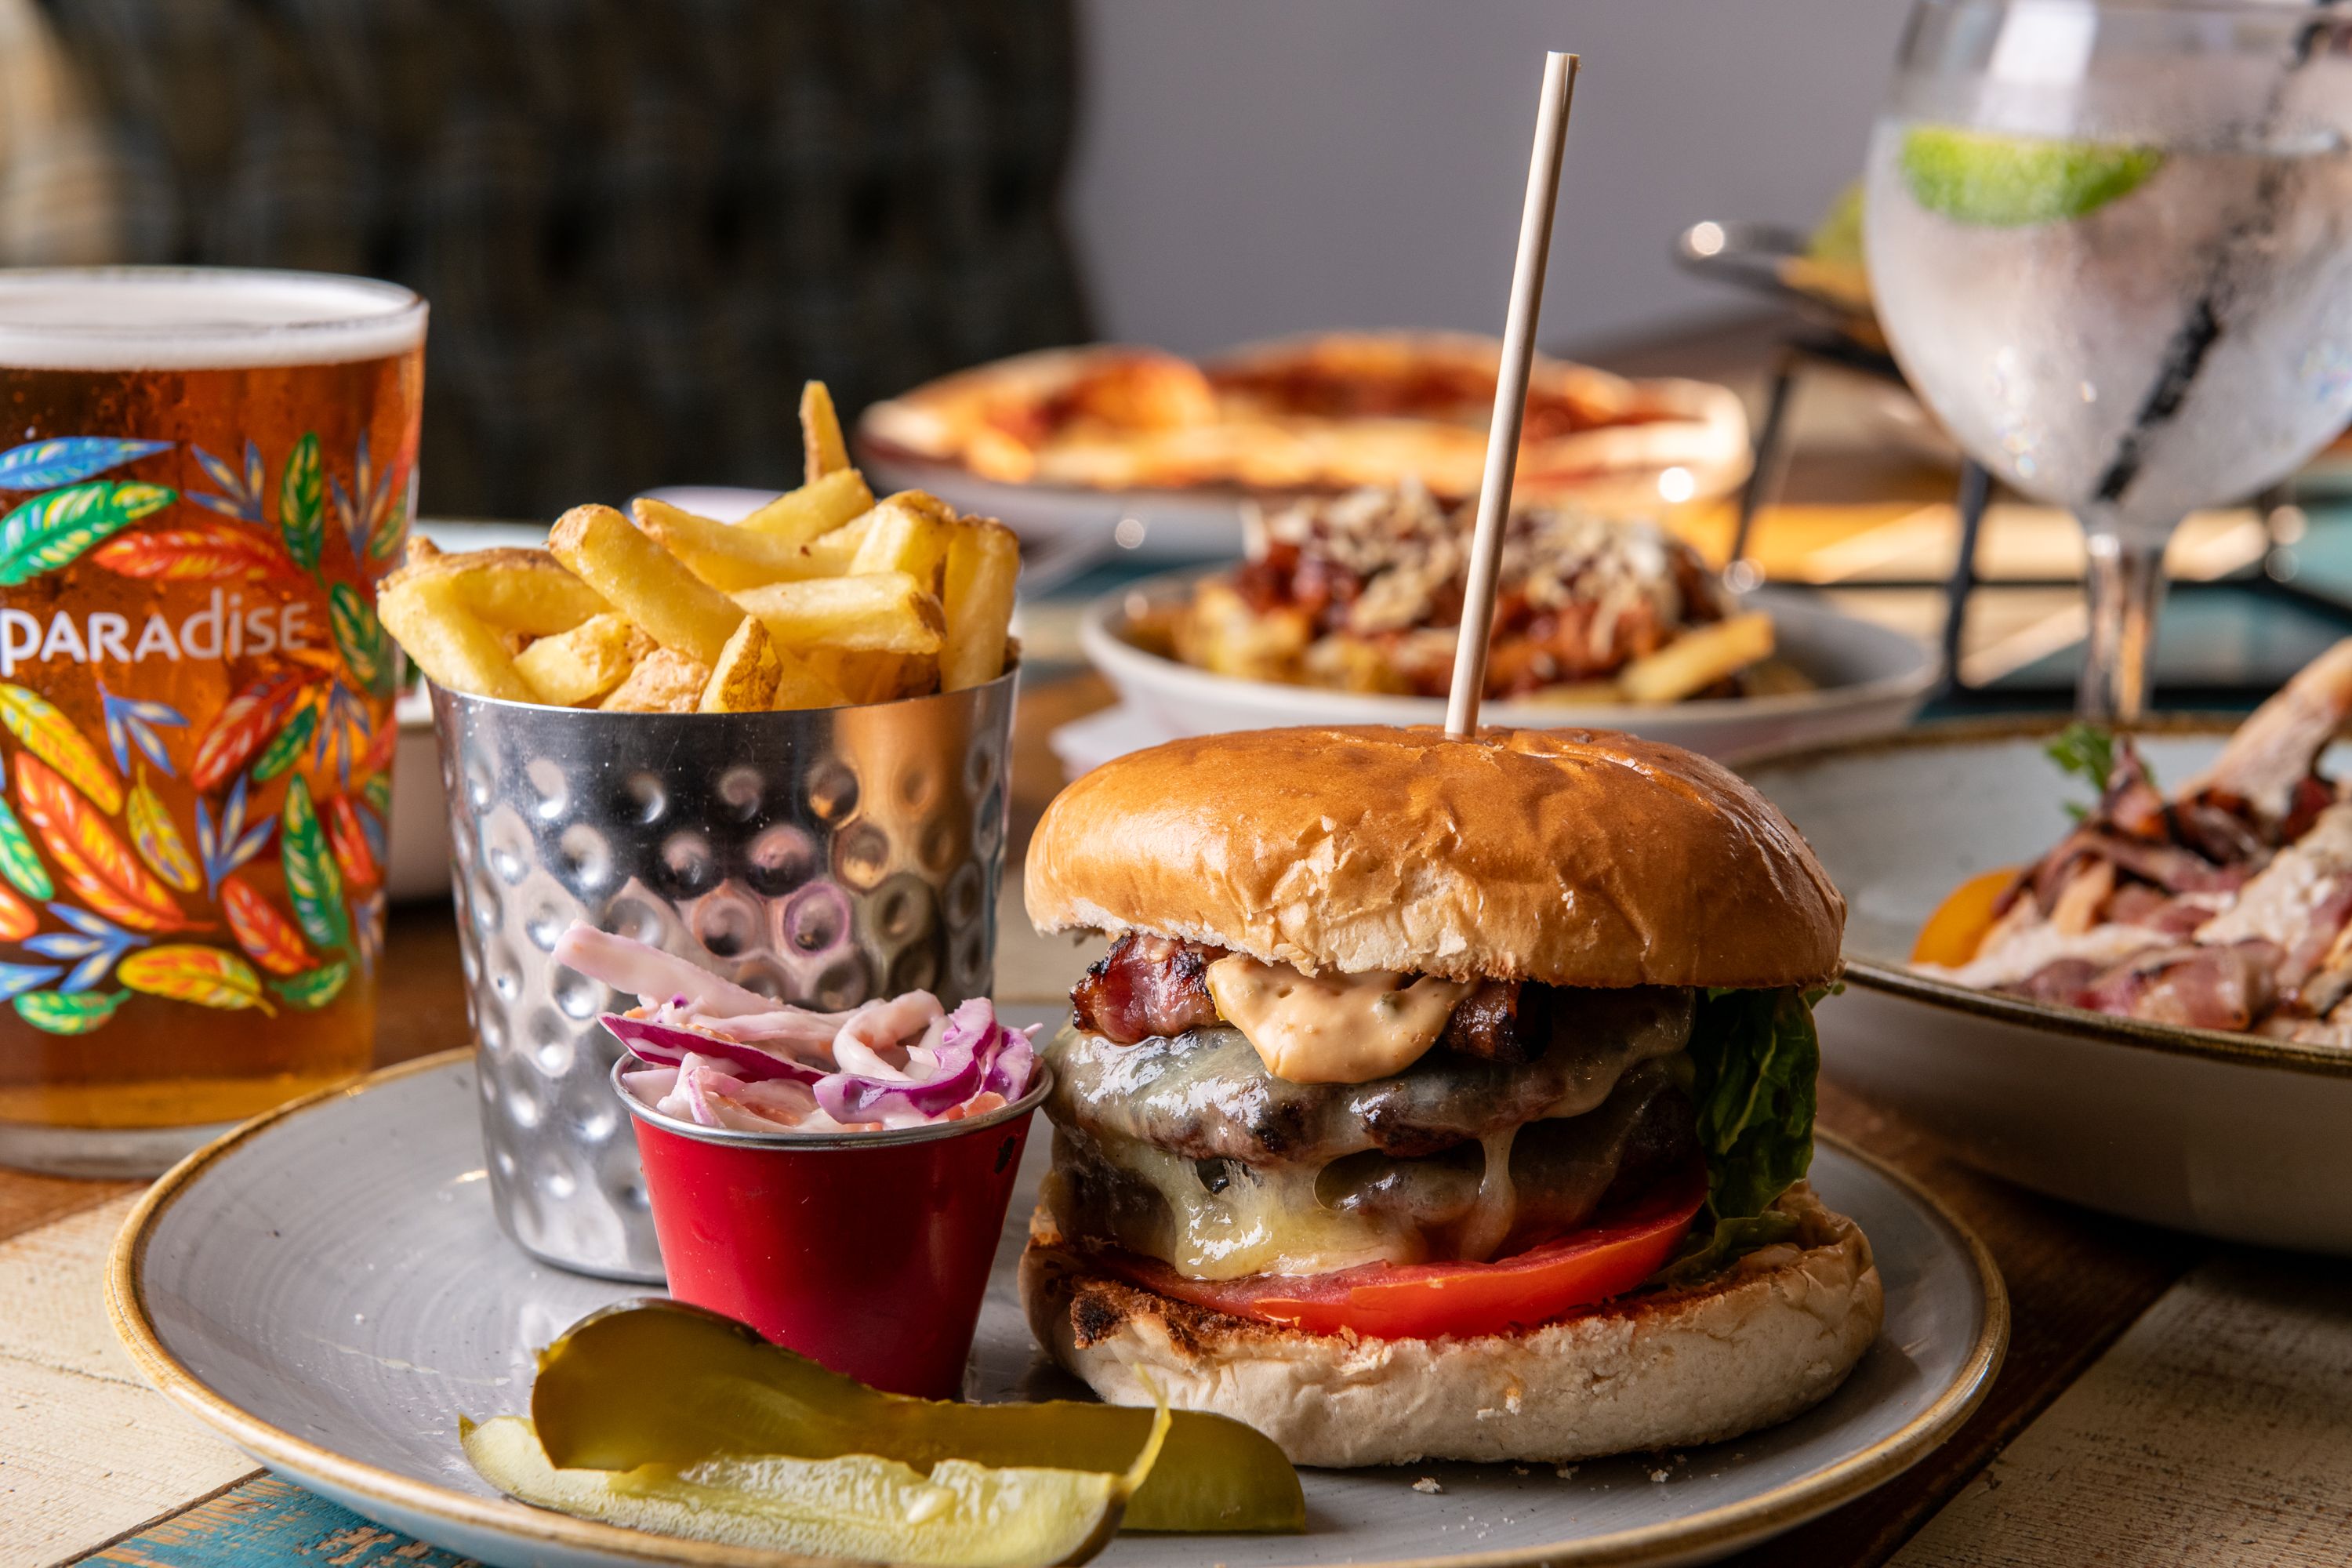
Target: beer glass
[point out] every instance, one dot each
(203, 476)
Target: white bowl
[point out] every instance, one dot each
(2234, 1136)
(1871, 679)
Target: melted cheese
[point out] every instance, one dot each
(1497, 1208)
(1214, 1220)
(1219, 1219)
(1332, 1028)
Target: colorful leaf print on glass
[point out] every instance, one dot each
(195, 552)
(15, 979)
(229, 842)
(183, 971)
(45, 465)
(60, 1013)
(241, 492)
(268, 936)
(20, 861)
(132, 721)
(348, 841)
(301, 505)
(98, 865)
(157, 838)
(245, 722)
(48, 735)
(53, 530)
(367, 924)
(93, 946)
(315, 989)
(18, 920)
(359, 638)
(285, 747)
(312, 880)
(371, 509)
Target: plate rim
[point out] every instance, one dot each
(1893, 979)
(1104, 646)
(870, 451)
(1725, 1528)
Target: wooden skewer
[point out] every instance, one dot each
(1510, 395)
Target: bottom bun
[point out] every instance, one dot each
(1770, 1337)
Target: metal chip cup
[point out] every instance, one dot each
(822, 856)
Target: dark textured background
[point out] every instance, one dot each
(641, 222)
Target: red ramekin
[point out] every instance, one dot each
(868, 1252)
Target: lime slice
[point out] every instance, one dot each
(2005, 181)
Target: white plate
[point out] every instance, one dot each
(2228, 1135)
(328, 1289)
(1872, 680)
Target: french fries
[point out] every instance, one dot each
(816, 508)
(645, 583)
(744, 680)
(823, 597)
(983, 563)
(902, 535)
(823, 451)
(526, 591)
(836, 550)
(449, 643)
(1697, 659)
(665, 681)
(577, 667)
(729, 559)
(879, 612)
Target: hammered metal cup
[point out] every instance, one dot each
(823, 857)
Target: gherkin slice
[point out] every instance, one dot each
(858, 1506)
(658, 1382)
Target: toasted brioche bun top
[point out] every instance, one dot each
(1569, 857)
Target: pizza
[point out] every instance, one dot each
(1321, 414)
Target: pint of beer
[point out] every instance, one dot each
(203, 476)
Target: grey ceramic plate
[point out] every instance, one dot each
(327, 1288)
(2229, 1135)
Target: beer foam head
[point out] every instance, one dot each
(193, 318)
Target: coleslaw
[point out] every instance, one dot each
(717, 1055)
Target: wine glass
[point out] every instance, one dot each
(2111, 246)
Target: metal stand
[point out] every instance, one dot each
(2272, 578)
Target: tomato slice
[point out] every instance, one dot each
(1427, 1300)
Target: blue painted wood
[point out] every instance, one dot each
(268, 1521)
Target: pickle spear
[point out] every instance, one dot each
(658, 1382)
(960, 1515)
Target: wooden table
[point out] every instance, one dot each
(2163, 1400)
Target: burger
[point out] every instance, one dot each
(1441, 1098)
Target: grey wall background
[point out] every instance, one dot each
(1255, 166)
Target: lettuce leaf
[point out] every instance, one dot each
(1754, 1058)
